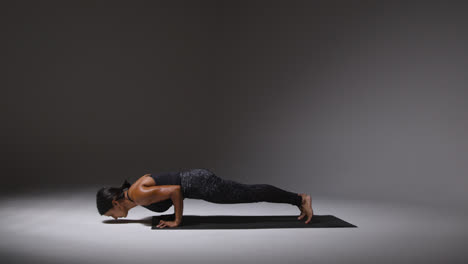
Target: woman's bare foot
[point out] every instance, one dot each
(306, 208)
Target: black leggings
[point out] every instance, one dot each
(204, 184)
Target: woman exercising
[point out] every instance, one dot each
(158, 192)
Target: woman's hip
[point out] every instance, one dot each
(196, 181)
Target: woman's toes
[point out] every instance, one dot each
(308, 208)
(301, 216)
(303, 212)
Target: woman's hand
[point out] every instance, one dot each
(163, 224)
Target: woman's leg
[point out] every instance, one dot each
(204, 184)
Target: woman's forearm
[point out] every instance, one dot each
(178, 201)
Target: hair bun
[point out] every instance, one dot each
(126, 184)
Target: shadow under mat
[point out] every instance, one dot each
(250, 222)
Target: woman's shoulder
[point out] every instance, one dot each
(137, 188)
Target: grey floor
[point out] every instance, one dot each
(54, 227)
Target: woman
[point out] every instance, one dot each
(158, 192)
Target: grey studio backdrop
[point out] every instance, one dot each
(343, 99)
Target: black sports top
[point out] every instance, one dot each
(163, 178)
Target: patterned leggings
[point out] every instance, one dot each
(204, 184)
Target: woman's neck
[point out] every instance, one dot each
(129, 200)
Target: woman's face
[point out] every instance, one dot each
(117, 211)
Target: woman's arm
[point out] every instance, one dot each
(178, 201)
(146, 195)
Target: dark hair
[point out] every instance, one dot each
(105, 195)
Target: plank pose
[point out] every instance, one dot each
(158, 192)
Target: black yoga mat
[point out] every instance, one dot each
(250, 222)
